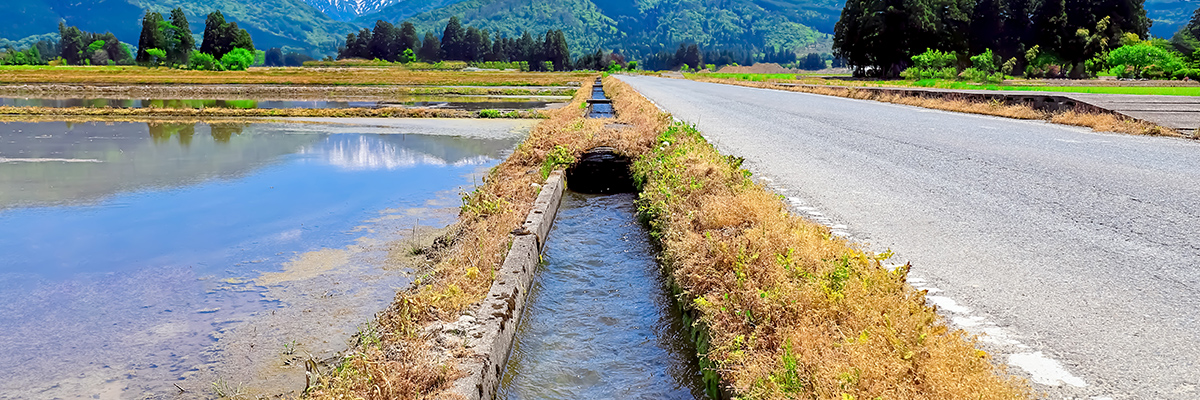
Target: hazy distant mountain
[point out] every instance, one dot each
(346, 10)
(1169, 15)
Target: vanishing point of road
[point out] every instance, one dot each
(1074, 254)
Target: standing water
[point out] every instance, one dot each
(601, 323)
(203, 260)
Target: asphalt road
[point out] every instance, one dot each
(1076, 254)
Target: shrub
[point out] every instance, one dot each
(934, 59)
(1144, 60)
(204, 62)
(632, 66)
(985, 62)
(490, 114)
(238, 59)
(158, 54)
(1190, 73)
(1009, 66)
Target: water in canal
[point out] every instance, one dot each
(174, 260)
(601, 323)
(468, 103)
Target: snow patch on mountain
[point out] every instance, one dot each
(345, 10)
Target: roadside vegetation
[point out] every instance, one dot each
(1099, 122)
(784, 309)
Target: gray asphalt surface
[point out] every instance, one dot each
(1078, 247)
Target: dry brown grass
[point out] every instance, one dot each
(1112, 123)
(1098, 122)
(286, 76)
(789, 310)
(16, 113)
(401, 363)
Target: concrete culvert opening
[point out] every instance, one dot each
(601, 170)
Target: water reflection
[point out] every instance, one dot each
(363, 153)
(469, 103)
(119, 276)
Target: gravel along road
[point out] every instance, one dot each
(1075, 255)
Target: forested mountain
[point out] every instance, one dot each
(272, 23)
(639, 26)
(636, 26)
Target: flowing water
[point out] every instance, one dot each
(601, 323)
(178, 260)
(469, 103)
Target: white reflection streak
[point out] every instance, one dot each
(369, 154)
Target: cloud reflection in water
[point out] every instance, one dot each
(364, 153)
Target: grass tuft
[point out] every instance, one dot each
(789, 310)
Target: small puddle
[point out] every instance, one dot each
(601, 322)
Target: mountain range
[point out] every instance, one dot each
(346, 10)
(319, 26)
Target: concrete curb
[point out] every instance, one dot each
(494, 323)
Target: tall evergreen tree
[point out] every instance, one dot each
(408, 37)
(383, 41)
(72, 44)
(213, 30)
(453, 40)
(556, 50)
(152, 37)
(241, 38)
(221, 37)
(183, 44)
(987, 26)
(473, 49)
(274, 57)
(431, 49)
(527, 49)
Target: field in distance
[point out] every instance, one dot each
(286, 76)
(1168, 88)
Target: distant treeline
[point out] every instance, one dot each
(163, 42)
(548, 51)
(694, 58)
(880, 37)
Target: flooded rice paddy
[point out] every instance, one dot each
(182, 260)
(601, 323)
(453, 102)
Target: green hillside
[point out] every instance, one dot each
(638, 26)
(641, 26)
(272, 23)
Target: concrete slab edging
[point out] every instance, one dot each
(494, 322)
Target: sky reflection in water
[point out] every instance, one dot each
(123, 267)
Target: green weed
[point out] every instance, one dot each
(559, 157)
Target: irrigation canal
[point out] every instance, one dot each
(600, 322)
